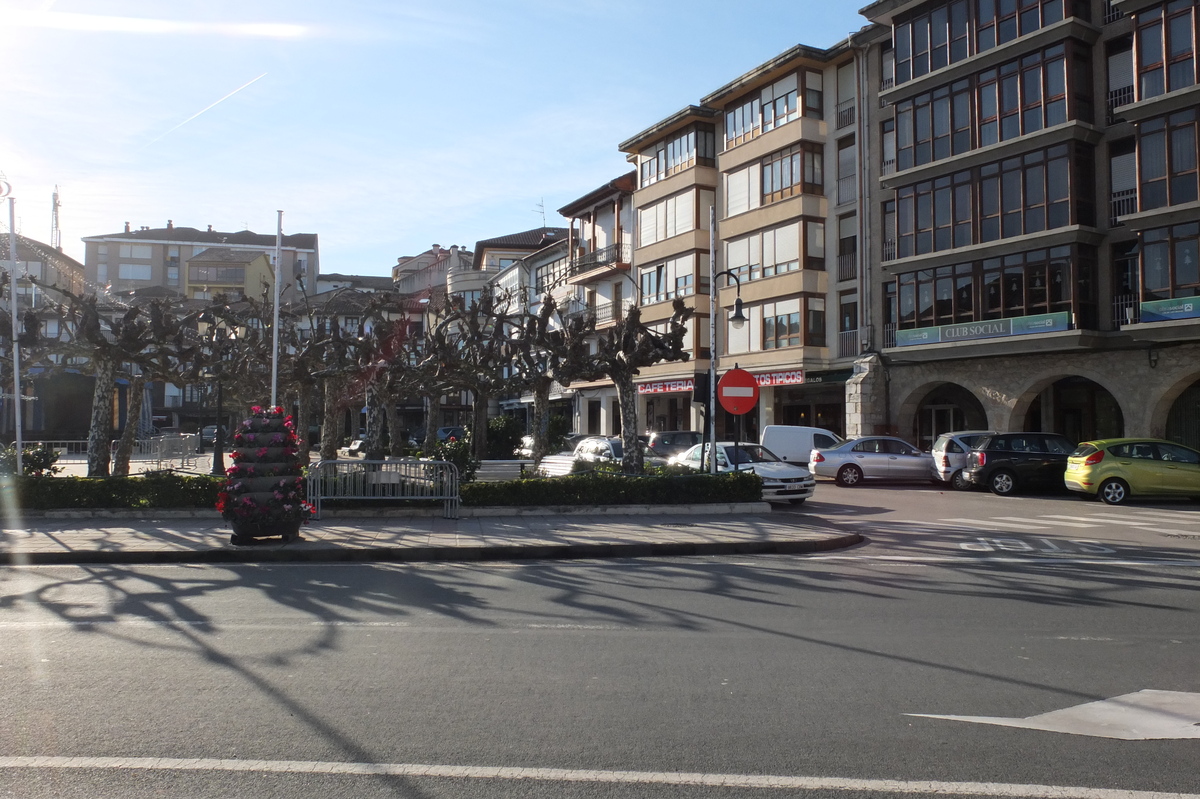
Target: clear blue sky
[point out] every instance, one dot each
(384, 126)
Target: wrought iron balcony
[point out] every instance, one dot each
(848, 266)
(845, 113)
(1127, 310)
(607, 256)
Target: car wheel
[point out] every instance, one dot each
(960, 481)
(849, 475)
(1113, 492)
(1003, 483)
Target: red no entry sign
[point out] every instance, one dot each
(737, 391)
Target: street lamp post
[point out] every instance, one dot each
(737, 319)
(218, 460)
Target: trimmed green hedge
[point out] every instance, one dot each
(610, 489)
(172, 490)
(165, 490)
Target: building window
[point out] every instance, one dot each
(1171, 262)
(792, 171)
(1168, 154)
(847, 171)
(1015, 197)
(172, 275)
(668, 280)
(144, 251)
(782, 330)
(134, 272)
(767, 253)
(773, 106)
(814, 321)
(696, 145)
(945, 33)
(1021, 284)
(670, 217)
(226, 275)
(1166, 51)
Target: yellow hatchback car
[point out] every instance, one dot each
(1116, 469)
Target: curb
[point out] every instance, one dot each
(279, 553)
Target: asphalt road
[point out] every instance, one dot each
(646, 678)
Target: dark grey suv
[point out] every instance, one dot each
(1007, 462)
(673, 442)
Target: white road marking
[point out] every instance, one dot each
(759, 781)
(1141, 716)
(1070, 521)
(1181, 517)
(1055, 523)
(999, 526)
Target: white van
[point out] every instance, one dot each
(794, 444)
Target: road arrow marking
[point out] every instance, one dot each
(1140, 716)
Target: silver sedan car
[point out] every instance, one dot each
(872, 458)
(782, 482)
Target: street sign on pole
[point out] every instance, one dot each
(737, 391)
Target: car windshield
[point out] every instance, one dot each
(749, 454)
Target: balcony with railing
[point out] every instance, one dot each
(1122, 95)
(848, 265)
(845, 113)
(614, 256)
(847, 189)
(1111, 12)
(888, 166)
(889, 335)
(1127, 310)
(604, 313)
(849, 345)
(1122, 203)
(889, 250)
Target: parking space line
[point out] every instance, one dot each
(1055, 523)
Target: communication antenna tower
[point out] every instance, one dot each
(541, 209)
(55, 230)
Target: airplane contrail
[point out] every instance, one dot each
(202, 110)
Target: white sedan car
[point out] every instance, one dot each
(782, 482)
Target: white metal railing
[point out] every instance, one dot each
(889, 250)
(1121, 203)
(384, 480)
(889, 335)
(888, 166)
(1111, 12)
(848, 344)
(158, 452)
(847, 189)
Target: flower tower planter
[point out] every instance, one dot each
(263, 495)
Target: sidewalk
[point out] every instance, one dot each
(203, 537)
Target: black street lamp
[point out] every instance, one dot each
(218, 461)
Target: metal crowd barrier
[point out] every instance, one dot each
(394, 480)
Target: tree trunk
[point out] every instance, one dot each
(479, 425)
(137, 389)
(303, 411)
(397, 438)
(431, 422)
(101, 431)
(540, 424)
(631, 456)
(330, 435)
(375, 418)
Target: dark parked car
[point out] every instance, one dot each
(672, 442)
(1007, 462)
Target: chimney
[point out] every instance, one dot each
(436, 249)
(126, 227)
(453, 249)
(170, 225)
(210, 228)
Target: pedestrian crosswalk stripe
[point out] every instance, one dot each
(1072, 521)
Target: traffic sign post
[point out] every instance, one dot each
(737, 391)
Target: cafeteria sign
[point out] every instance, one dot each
(1166, 310)
(667, 386)
(991, 328)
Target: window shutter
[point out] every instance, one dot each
(737, 186)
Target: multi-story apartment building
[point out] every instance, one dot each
(1010, 297)
(175, 258)
(773, 158)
